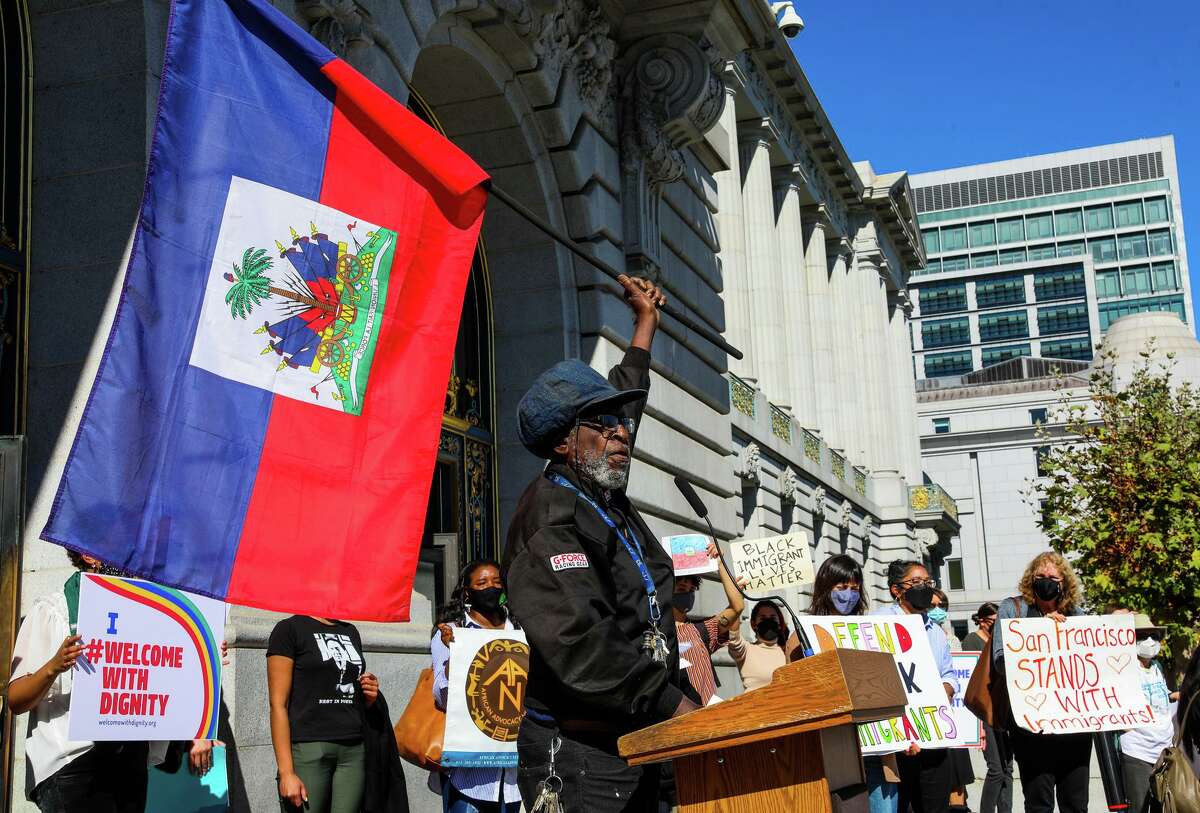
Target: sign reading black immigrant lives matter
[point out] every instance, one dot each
(486, 698)
(1080, 674)
(151, 662)
(773, 562)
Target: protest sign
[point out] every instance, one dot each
(151, 663)
(1077, 675)
(970, 725)
(689, 554)
(774, 561)
(929, 719)
(486, 698)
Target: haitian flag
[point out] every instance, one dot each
(264, 421)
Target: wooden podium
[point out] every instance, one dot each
(783, 747)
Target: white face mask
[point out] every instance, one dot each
(1147, 648)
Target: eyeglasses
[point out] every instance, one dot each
(1055, 579)
(608, 425)
(918, 583)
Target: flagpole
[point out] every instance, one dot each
(675, 313)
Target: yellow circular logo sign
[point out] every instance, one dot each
(496, 688)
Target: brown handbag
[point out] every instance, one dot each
(421, 727)
(987, 694)
(1174, 787)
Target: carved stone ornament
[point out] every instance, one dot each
(671, 95)
(927, 539)
(789, 486)
(339, 25)
(575, 37)
(818, 502)
(845, 515)
(901, 299)
(869, 526)
(749, 467)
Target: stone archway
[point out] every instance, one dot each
(533, 297)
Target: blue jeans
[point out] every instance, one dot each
(454, 802)
(882, 796)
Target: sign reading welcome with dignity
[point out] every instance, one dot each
(774, 561)
(1078, 675)
(151, 663)
(929, 719)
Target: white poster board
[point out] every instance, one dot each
(970, 725)
(689, 554)
(486, 698)
(774, 561)
(151, 663)
(1078, 675)
(929, 720)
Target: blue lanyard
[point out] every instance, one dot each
(635, 549)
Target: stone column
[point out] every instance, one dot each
(905, 390)
(845, 364)
(730, 232)
(878, 361)
(797, 337)
(820, 307)
(762, 258)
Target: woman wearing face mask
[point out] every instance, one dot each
(926, 774)
(758, 660)
(1141, 747)
(997, 751)
(1052, 766)
(478, 602)
(837, 590)
(939, 614)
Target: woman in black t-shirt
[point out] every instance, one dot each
(318, 683)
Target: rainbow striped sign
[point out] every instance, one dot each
(152, 662)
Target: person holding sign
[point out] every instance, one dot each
(707, 635)
(1141, 747)
(67, 776)
(1050, 765)
(478, 602)
(757, 660)
(592, 584)
(926, 775)
(318, 686)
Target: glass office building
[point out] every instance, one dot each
(1038, 256)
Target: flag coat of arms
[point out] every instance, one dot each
(264, 420)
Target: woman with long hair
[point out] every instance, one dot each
(478, 602)
(838, 590)
(1053, 767)
(757, 660)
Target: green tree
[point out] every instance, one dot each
(1122, 497)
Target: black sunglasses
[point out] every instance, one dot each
(608, 424)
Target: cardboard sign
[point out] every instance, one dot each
(689, 554)
(151, 663)
(774, 561)
(929, 720)
(486, 698)
(970, 725)
(1080, 675)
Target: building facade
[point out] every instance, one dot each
(679, 141)
(1030, 260)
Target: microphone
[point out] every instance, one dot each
(701, 510)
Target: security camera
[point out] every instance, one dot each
(790, 23)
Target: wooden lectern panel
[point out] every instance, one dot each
(784, 774)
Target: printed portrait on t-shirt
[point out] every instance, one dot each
(340, 649)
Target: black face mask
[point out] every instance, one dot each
(684, 602)
(919, 597)
(768, 629)
(1046, 589)
(488, 600)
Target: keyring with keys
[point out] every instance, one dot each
(550, 787)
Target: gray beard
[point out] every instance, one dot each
(603, 475)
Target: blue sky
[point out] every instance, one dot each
(937, 84)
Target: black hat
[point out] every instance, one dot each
(558, 397)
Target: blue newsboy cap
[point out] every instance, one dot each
(557, 397)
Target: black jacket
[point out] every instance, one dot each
(385, 791)
(584, 619)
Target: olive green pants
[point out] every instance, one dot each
(333, 774)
